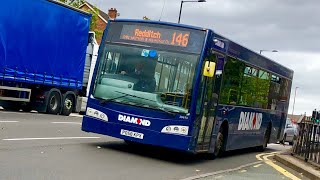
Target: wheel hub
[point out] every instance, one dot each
(68, 103)
(53, 103)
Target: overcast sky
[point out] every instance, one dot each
(290, 26)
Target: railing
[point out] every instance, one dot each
(307, 145)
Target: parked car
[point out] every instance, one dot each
(290, 132)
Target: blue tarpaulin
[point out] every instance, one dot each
(42, 42)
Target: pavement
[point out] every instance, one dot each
(267, 168)
(294, 162)
(40, 146)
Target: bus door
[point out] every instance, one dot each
(207, 104)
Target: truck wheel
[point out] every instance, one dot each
(27, 108)
(54, 103)
(68, 105)
(13, 108)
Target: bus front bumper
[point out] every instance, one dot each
(144, 135)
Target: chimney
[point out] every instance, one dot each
(112, 13)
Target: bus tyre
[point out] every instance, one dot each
(265, 141)
(54, 103)
(219, 145)
(68, 105)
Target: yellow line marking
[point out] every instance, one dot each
(243, 171)
(258, 165)
(278, 168)
(258, 156)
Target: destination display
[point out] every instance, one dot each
(157, 36)
(162, 36)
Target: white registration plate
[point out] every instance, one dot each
(131, 134)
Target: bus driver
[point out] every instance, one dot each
(145, 76)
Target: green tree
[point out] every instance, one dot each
(146, 18)
(74, 3)
(94, 23)
(94, 18)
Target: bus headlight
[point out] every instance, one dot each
(96, 114)
(175, 129)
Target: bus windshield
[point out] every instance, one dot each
(145, 77)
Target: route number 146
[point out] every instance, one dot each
(180, 39)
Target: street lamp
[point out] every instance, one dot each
(269, 51)
(294, 99)
(182, 4)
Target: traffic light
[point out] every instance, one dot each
(314, 115)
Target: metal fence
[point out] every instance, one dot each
(307, 145)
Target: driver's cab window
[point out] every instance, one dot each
(153, 78)
(110, 62)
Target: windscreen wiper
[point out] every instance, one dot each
(168, 112)
(125, 94)
(104, 101)
(152, 107)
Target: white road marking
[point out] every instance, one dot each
(66, 123)
(222, 171)
(76, 115)
(243, 171)
(9, 121)
(49, 138)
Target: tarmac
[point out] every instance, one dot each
(289, 161)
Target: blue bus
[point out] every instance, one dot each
(185, 88)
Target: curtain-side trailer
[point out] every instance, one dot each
(46, 56)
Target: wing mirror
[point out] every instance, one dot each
(209, 69)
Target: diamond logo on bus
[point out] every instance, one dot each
(134, 120)
(250, 121)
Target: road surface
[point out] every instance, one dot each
(39, 146)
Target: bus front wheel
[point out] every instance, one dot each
(219, 145)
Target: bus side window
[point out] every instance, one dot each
(284, 92)
(248, 95)
(262, 89)
(274, 90)
(230, 89)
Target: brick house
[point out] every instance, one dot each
(102, 17)
(299, 118)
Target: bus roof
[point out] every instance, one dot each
(245, 54)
